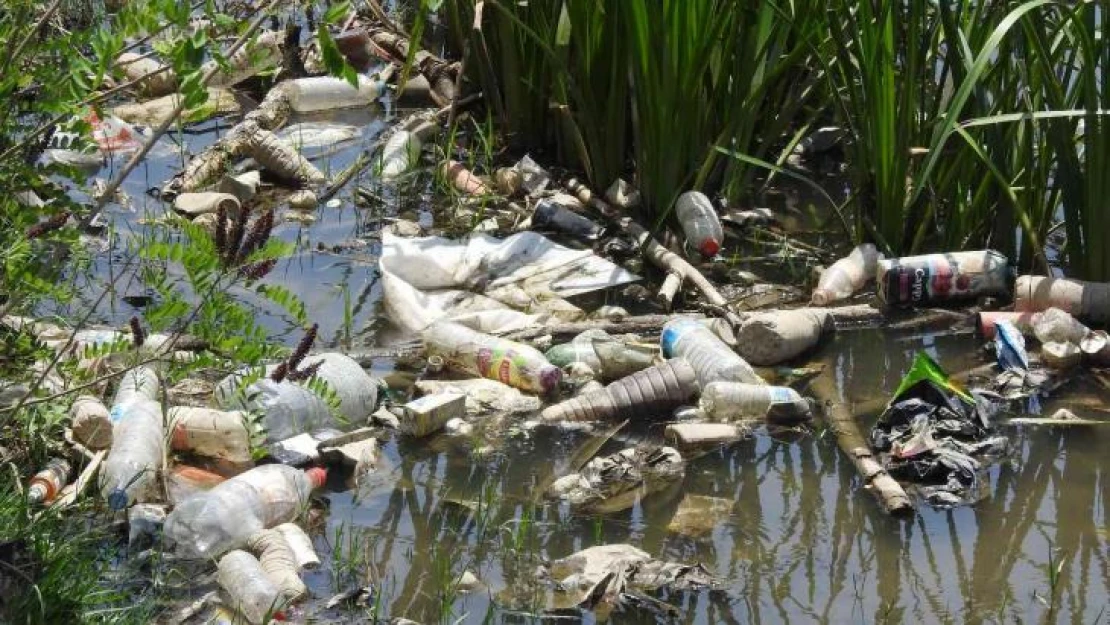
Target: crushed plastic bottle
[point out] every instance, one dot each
(553, 213)
(728, 401)
(211, 433)
(224, 518)
(138, 441)
(711, 358)
(847, 275)
(247, 589)
(942, 278)
(323, 93)
(651, 392)
(619, 359)
(46, 484)
(1084, 300)
(581, 348)
(491, 357)
(1055, 325)
(699, 222)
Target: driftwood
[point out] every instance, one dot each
(440, 74)
(842, 422)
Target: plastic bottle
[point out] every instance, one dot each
(400, 154)
(184, 481)
(46, 484)
(213, 522)
(699, 222)
(279, 563)
(91, 424)
(654, 391)
(323, 93)
(487, 356)
(1085, 300)
(580, 349)
(619, 359)
(767, 339)
(1055, 325)
(138, 441)
(941, 278)
(726, 401)
(847, 275)
(211, 433)
(710, 357)
(304, 553)
(552, 214)
(247, 588)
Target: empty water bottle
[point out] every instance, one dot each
(491, 357)
(710, 357)
(224, 518)
(247, 589)
(847, 275)
(46, 484)
(322, 93)
(138, 441)
(699, 223)
(725, 401)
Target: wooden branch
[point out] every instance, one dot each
(671, 284)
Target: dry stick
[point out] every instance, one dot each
(169, 122)
(652, 250)
(843, 424)
(479, 7)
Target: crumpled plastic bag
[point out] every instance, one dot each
(524, 280)
(615, 482)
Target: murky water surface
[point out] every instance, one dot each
(801, 542)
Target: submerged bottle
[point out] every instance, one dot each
(711, 358)
(847, 275)
(654, 391)
(551, 213)
(699, 222)
(491, 357)
(46, 484)
(941, 278)
(726, 401)
(211, 523)
(322, 93)
(400, 154)
(247, 589)
(138, 441)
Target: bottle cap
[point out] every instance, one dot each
(710, 247)
(317, 476)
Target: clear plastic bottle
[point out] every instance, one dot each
(491, 357)
(580, 349)
(323, 93)
(210, 433)
(246, 587)
(399, 155)
(711, 358)
(224, 518)
(699, 223)
(138, 441)
(92, 426)
(726, 401)
(46, 484)
(847, 275)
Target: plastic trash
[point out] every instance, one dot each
(707, 354)
(278, 562)
(699, 223)
(987, 321)
(47, 483)
(462, 178)
(153, 77)
(144, 523)
(113, 135)
(324, 93)
(491, 357)
(729, 401)
(1060, 355)
(247, 589)
(91, 424)
(655, 391)
(1009, 347)
(483, 396)
(692, 436)
(533, 178)
(194, 204)
(307, 136)
(184, 481)
(213, 522)
(250, 60)
(619, 359)
(554, 213)
(276, 155)
(615, 482)
(621, 567)
(622, 195)
(400, 154)
(138, 441)
(430, 413)
(304, 554)
(847, 275)
(157, 111)
(767, 339)
(1084, 300)
(580, 349)
(211, 433)
(1055, 325)
(942, 278)
(699, 515)
(936, 436)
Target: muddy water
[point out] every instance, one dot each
(802, 542)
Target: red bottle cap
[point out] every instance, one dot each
(710, 247)
(317, 476)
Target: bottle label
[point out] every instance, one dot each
(503, 365)
(673, 332)
(932, 278)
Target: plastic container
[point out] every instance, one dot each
(699, 223)
(847, 275)
(727, 401)
(400, 154)
(136, 67)
(463, 179)
(1085, 300)
(304, 553)
(619, 359)
(324, 93)
(767, 339)
(130, 473)
(91, 424)
(942, 278)
(553, 214)
(655, 391)
(224, 518)
(46, 484)
(277, 560)
(488, 356)
(581, 348)
(247, 589)
(710, 357)
(210, 433)
(1055, 325)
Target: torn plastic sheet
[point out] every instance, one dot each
(524, 280)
